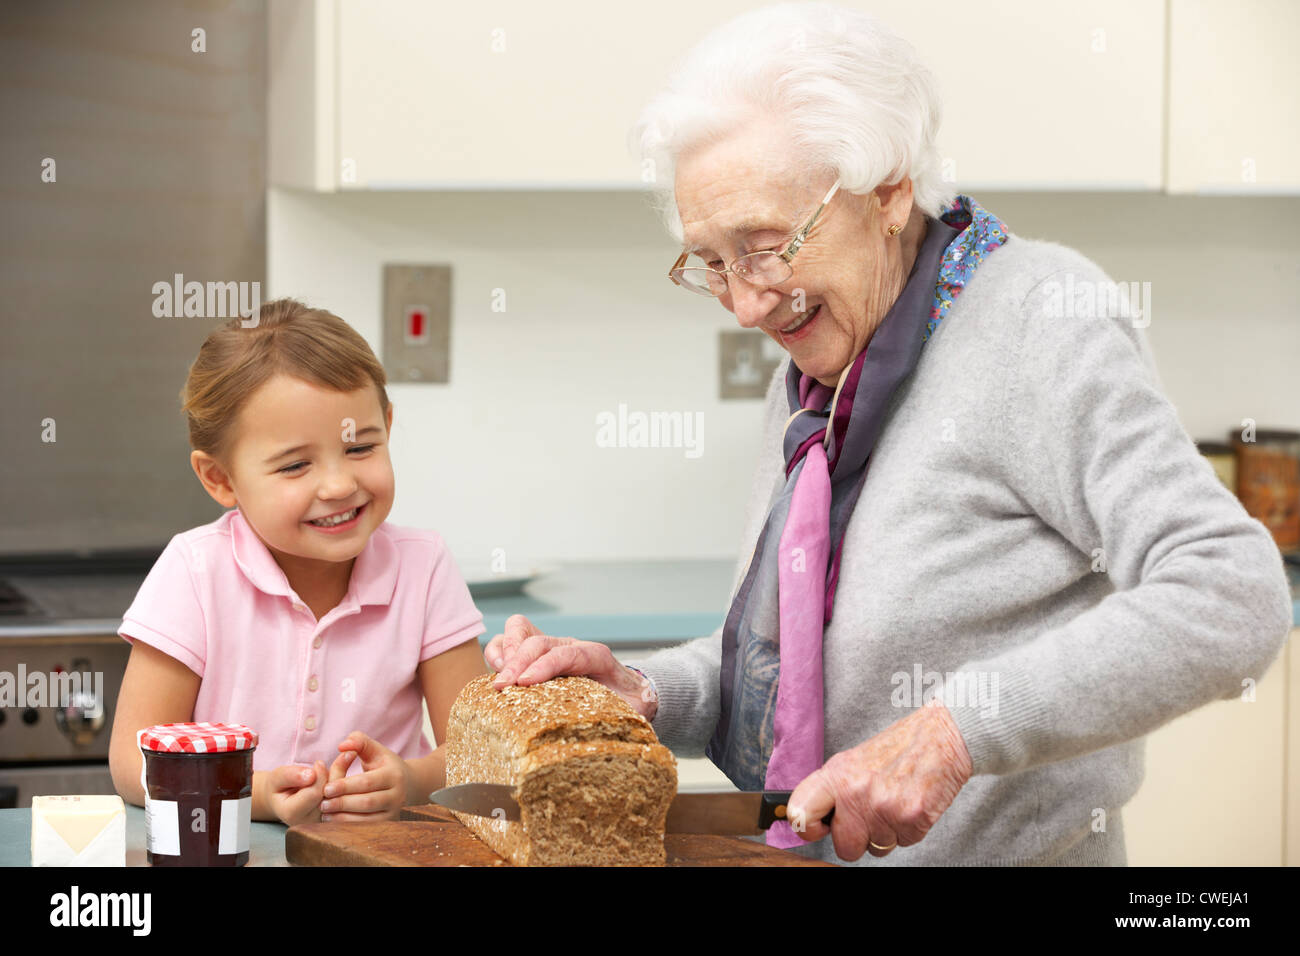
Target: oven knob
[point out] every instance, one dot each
(79, 722)
(82, 718)
(31, 715)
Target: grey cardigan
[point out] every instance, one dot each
(1039, 542)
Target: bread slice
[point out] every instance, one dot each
(592, 781)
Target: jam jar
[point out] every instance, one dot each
(198, 784)
(1268, 482)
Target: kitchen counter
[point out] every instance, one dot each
(266, 840)
(620, 602)
(616, 602)
(626, 602)
(630, 603)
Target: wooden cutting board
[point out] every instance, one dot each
(431, 836)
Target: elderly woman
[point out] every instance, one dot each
(981, 557)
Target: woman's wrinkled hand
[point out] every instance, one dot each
(523, 655)
(889, 790)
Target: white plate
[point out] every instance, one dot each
(484, 583)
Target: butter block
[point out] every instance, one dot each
(79, 830)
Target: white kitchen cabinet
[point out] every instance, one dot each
(1291, 733)
(1234, 97)
(301, 99)
(1037, 95)
(511, 94)
(1215, 786)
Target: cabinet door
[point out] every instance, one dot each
(1234, 97)
(1292, 660)
(1213, 791)
(514, 94)
(1043, 94)
(1037, 95)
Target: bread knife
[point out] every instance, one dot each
(726, 812)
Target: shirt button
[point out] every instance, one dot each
(311, 723)
(299, 607)
(311, 684)
(317, 642)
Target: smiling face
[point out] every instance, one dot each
(850, 266)
(295, 460)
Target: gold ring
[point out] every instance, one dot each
(877, 846)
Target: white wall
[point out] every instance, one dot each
(505, 456)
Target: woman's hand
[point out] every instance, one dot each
(293, 793)
(524, 655)
(378, 793)
(889, 790)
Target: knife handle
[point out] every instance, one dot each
(774, 806)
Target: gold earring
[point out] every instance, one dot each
(895, 229)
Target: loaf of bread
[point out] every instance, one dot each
(592, 781)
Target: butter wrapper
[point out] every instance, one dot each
(71, 830)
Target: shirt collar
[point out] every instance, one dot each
(374, 574)
(980, 233)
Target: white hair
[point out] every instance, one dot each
(854, 96)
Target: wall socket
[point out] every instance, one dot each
(417, 323)
(746, 361)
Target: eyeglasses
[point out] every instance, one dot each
(766, 268)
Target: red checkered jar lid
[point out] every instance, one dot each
(200, 738)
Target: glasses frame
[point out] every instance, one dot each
(800, 237)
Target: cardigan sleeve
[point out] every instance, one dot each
(1200, 606)
(686, 677)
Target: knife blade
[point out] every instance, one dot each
(722, 812)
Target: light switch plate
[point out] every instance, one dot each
(746, 361)
(417, 323)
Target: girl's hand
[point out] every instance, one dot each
(339, 768)
(378, 793)
(294, 793)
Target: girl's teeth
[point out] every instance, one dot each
(337, 519)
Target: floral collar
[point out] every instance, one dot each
(980, 233)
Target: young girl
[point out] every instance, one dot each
(301, 612)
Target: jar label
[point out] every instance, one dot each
(162, 831)
(236, 824)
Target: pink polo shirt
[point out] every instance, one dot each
(217, 602)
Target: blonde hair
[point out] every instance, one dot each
(289, 338)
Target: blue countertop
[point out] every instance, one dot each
(624, 602)
(646, 602)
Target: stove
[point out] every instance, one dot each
(61, 666)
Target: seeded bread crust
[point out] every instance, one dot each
(592, 781)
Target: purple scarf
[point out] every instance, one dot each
(770, 731)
